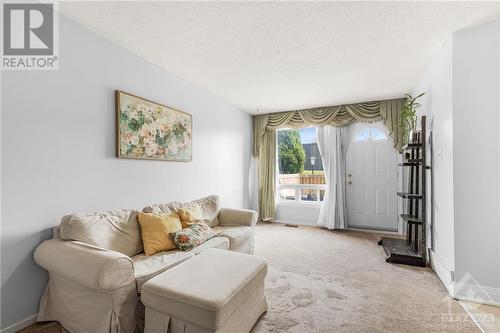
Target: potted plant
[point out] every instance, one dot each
(408, 117)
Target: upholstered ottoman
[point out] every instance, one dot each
(216, 291)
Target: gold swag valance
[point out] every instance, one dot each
(341, 115)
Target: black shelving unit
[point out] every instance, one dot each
(412, 250)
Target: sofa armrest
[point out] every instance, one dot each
(91, 266)
(232, 217)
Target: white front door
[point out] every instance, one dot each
(371, 177)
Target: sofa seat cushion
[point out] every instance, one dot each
(147, 267)
(238, 235)
(216, 242)
(208, 289)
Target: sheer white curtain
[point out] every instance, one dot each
(333, 143)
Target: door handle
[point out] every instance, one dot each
(349, 182)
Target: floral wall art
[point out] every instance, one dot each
(148, 130)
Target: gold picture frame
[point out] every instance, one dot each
(149, 130)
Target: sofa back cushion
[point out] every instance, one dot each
(161, 208)
(209, 207)
(116, 230)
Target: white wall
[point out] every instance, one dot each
(462, 105)
(437, 105)
(300, 214)
(58, 146)
(476, 167)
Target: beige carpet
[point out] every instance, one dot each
(325, 281)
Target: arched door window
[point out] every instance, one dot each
(370, 133)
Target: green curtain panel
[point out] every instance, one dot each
(265, 126)
(390, 111)
(259, 128)
(267, 175)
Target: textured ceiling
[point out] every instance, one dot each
(275, 56)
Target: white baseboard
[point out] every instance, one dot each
(20, 324)
(494, 294)
(475, 293)
(443, 271)
(376, 231)
(371, 231)
(299, 224)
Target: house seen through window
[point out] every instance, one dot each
(301, 176)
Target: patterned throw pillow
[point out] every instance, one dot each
(195, 234)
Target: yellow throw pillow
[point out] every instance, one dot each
(155, 230)
(190, 214)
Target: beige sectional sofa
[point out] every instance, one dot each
(97, 266)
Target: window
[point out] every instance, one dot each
(370, 133)
(301, 177)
